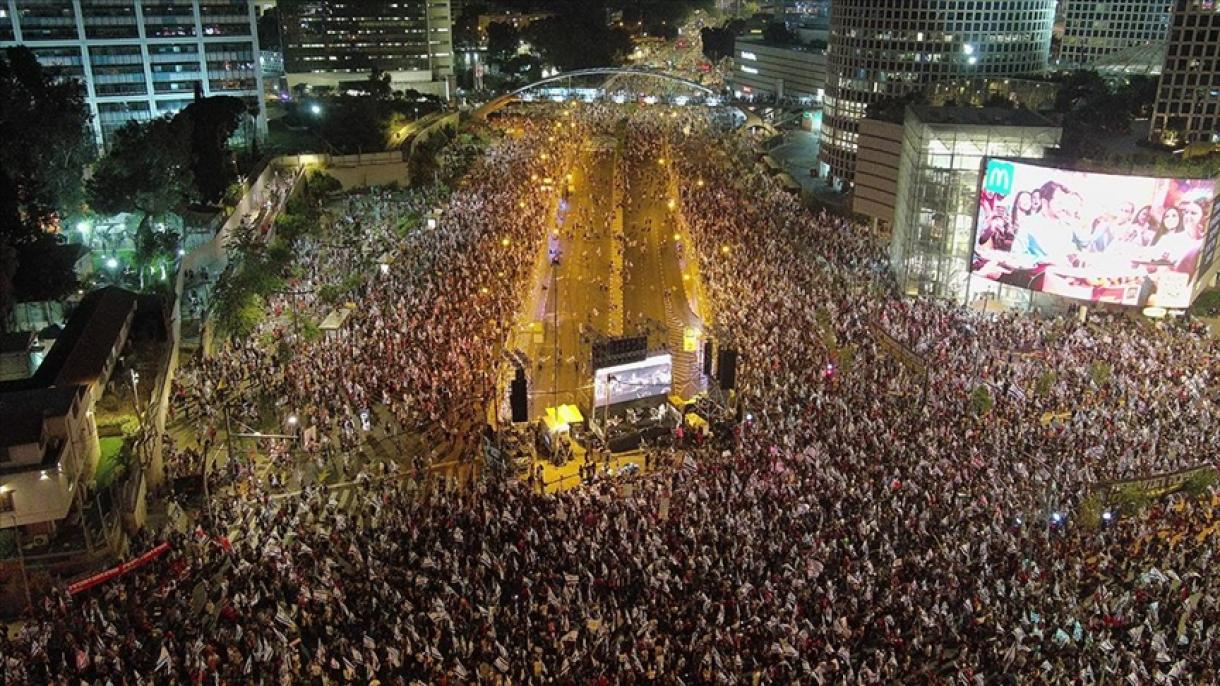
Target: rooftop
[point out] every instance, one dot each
(24, 411)
(980, 116)
(81, 350)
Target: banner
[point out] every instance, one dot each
(1155, 486)
(103, 577)
(903, 354)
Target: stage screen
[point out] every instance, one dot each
(1130, 240)
(650, 377)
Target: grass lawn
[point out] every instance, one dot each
(109, 465)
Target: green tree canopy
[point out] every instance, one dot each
(578, 39)
(211, 122)
(502, 40)
(146, 170)
(45, 144)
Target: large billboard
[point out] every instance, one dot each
(650, 377)
(1130, 240)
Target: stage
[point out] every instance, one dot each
(630, 423)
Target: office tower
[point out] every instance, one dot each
(140, 59)
(332, 42)
(1092, 29)
(885, 49)
(1188, 99)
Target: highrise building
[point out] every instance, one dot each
(1188, 101)
(330, 42)
(140, 59)
(879, 50)
(1092, 29)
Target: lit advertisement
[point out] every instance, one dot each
(647, 378)
(1129, 240)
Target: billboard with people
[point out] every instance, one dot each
(1130, 240)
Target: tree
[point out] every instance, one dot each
(46, 269)
(1078, 87)
(378, 84)
(45, 145)
(1139, 93)
(502, 41)
(211, 122)
(146, 171)
(578, 39)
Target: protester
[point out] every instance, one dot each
(870, 524)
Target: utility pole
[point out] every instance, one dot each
(25, 578)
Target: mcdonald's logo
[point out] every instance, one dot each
(998, 178)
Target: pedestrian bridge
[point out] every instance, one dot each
(562, 87)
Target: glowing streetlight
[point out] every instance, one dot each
(504, 242)
(112, 263)
(315, 108)
(724, 249)
(292, 420)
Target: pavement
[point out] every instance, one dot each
(577, 293)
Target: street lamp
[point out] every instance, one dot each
(112, 263)
(315, 108)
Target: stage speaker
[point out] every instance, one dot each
(519, 399)
(726, 369)
(708, 350)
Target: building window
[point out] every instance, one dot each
(6, 501)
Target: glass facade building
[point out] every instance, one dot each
(1092, 29)
(1188, 99)
(140, 59)
(943, 149)
(881, 50)
(327, 42)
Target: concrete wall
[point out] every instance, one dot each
(877, 169)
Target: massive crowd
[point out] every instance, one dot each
(868, 525)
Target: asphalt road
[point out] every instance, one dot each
(580, 293)
(648, 228)
(577, 297)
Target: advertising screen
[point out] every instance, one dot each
(650, 377)
(1130, 240)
